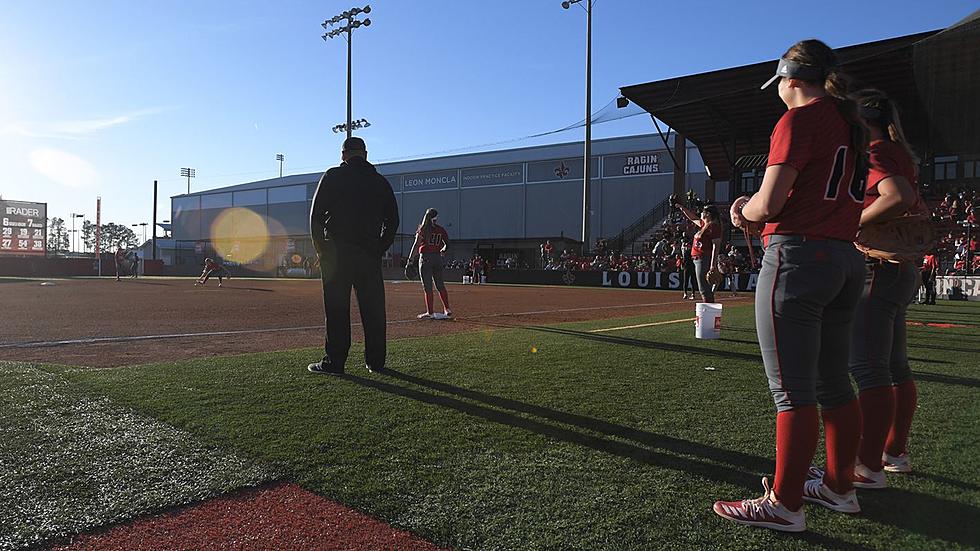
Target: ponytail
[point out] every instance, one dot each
(425, 227)
(881, 112)
(835, 83)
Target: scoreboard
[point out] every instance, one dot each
(23, 228)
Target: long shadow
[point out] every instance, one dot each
(667, 443)
(739, 341)
(738, 329)
(946, 480)
(716, 472)
(927, 361)
(944, 348)
(668, 347)
(946, 379)
(924, 514)
(249, 289)
(139, 282)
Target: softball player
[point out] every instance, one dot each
(879, 359)
(212, 267)
(811, 199)
(431, 241)
(704, 248)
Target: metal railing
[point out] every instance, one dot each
(642, 225)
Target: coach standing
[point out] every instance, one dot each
(353, 222)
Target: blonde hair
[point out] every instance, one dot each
(887, 119)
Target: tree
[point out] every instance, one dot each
(88, 235)
(57, 236)
(117, 235)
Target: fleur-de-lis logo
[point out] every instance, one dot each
(561, 170)
(568, 277)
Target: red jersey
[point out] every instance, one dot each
(120, 255)
(436, 241)
(887, 159)
(825, 200)
(702, 245)
(210, 265)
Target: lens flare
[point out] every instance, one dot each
(240, 235)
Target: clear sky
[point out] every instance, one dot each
(102, 97)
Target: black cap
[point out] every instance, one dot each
(792, 69)
(354, 144)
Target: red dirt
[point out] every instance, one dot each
(97, 308)
(282, 516)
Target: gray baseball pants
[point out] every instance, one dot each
(804, 306)
(430, 269)
(879, 356)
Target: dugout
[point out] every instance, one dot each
(934, 77)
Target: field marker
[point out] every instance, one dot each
(640, 325)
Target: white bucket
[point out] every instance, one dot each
(466, 279)
(483, 279)
(707, 320)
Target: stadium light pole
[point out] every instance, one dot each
(144, 224)
(280, 157)
(188, 173)
(359, 123)
(348, 28)
(586, 188)
(74, 244)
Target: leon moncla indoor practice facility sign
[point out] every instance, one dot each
(23, 228)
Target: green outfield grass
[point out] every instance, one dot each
(506, 438)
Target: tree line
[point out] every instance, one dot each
(113, 236)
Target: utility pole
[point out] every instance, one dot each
(586, 187)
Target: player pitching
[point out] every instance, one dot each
(811, 279)
(431, 241)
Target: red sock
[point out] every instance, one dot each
(428, 301)
(906, 397)
(842, 431)
(796, 441)
(445, 299)
(877, 413)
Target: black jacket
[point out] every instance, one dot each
(354, 205)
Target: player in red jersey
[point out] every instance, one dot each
(705, 246)
(212, 268)
(811, 279)
(431, 241)
(879, 356)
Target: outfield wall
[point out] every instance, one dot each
(966, 286)
(610, 279)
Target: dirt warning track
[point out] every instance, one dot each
(105, 323)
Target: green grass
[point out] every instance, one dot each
(556, 438)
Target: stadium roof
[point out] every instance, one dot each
(934, 76)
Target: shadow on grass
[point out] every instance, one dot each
(924, 514)
(946, 379)
(944, 348)
(675, 445)
(669, 347)
(718, 473)
(928, 361)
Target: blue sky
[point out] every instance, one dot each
(103, 97)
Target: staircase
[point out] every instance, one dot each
(631, 239)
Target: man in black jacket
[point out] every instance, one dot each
(353, 222)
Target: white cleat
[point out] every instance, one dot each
(424, 316)
(763, 512)
(867, 479)
(815, 491)
(897, 464)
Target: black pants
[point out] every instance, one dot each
(341, 268)
(688, 279)
(929, 283)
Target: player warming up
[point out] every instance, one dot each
(212, 268)
(811, 279)
(431, 241)
(879, 357)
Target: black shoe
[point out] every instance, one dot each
(324, 369)
(375, 369)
